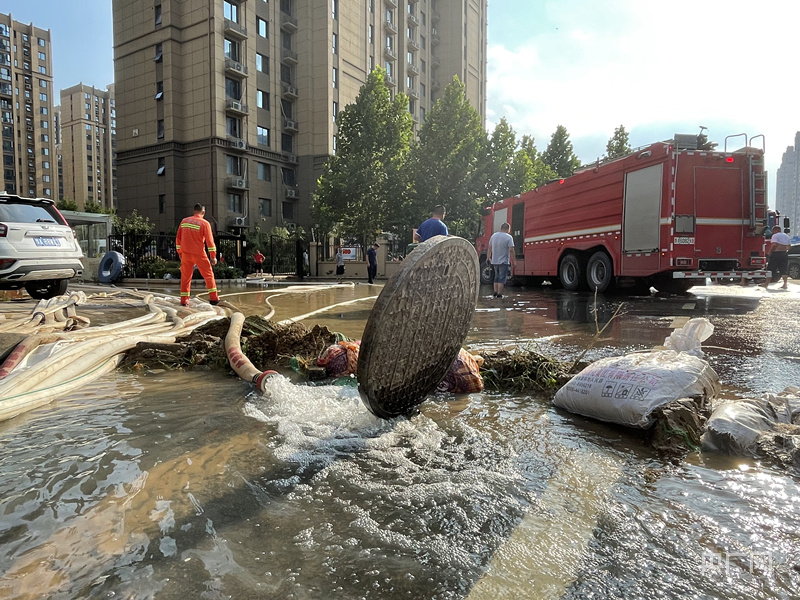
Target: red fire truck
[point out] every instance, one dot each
(669, 215)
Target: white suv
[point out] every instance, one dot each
(38, 249)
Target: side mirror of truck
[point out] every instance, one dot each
(785, 224)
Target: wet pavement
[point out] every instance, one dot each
(187, 484)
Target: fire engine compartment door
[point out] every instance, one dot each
(642, 209)
(499, 217)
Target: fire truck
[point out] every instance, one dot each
(669, 215)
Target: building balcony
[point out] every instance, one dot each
(237, 183)
(289, 91)
(390, 81)
(236, 106)
(390, 27)
(412, 68)
(435, 39)
(392, 3)
(288, 56)
(412, 93)
(292, 158)
(435, 17)
(236, 143)
(413, 43)
(435, 62)
(234, 29)
(290, 125)
(288, 23)
(389, 53)
(413, 20)
(435, 84)
(233, 67)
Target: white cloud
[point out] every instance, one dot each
(657, 70)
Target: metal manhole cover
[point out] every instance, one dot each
(417, 326)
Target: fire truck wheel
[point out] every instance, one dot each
(571, 272)
(678, 287)
(599, 272)
(487, 273)
(794, 270)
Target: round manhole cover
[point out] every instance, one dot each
(417, 326)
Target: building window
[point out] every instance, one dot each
(334, 9)
(264, 171)
(262, 64)
(422, 90)
(334, 74)
(265, 207)
(159, 54)
(158, 14)
(371, 63)
(231, 11)
(233, 164)
(287, 108)
(162, 165)
(335, 110)
(262, 136)
(371, 34)
(46, 178)
(410, 58)
(233, 127)
(162, 202)
(286, 40)
(286, 143)
(159, 90)
(231, 49)
(286, 73)
(389, 43)
(423, 65)
(42, 70)
(233, 88)
(160, 129)
(288, 210)
(422, 113)
(45, 124)
(262, 99)
(422, 42)
(43, 97)
(334, 143)
(235, 203)
(45, 137)
(372, 6)
(288, 176)
(262, 27)
(286, 6)
(388, 69)
(41, 42)
(335, 43)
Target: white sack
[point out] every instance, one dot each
(689, 337)
(627, 389)
(735, 426)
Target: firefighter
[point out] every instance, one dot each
(194, 236)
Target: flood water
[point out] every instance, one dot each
(168, 485)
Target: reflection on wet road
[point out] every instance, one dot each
(182, 485)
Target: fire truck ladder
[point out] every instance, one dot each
(758, 192)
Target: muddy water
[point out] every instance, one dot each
(188, 485)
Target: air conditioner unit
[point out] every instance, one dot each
(291, 124)
(291, 227)
(239, 183)
(291, 193)
(241, 144)
(239, 221)
(236, 105)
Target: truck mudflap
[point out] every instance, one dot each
(721, 274)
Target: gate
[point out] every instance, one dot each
(283, 256)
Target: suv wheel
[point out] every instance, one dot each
(47, 288)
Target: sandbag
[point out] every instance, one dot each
(737, 426)
(689, 337)
(627, 389)
(464, 376)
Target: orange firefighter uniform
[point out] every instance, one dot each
(194, 235)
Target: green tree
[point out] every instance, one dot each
(444, 164)
(358, 189)
(618, 144)
(93, 207)
(531, 169)
(66, 204)
(506, 174)
(559, 155)
(133, 223)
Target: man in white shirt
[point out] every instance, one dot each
(501, 256)
(779, 245)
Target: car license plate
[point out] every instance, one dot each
(47, 241)
(684, 240)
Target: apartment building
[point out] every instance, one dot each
(87, 119)
(233, 103)
(787, 188)
(26, 110)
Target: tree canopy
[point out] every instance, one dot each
(362, 180)
(444, 163)
(618, 143)
(559, 154)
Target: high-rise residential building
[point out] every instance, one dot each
(787, 188)
(26, 109)
(87, 144)
(232, 103)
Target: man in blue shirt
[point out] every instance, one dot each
(434, 225)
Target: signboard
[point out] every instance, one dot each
(349, 253)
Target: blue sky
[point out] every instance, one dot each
(658, 68)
